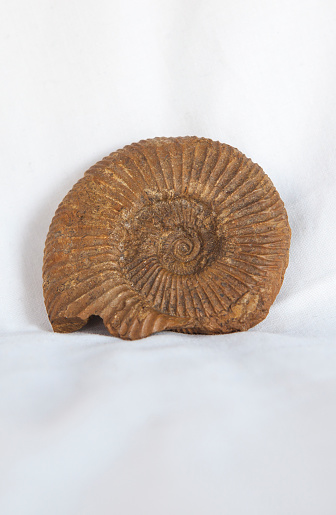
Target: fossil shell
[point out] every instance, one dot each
(183, 234)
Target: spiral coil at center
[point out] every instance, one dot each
(179, 239)
(186, 249)
(179, 247)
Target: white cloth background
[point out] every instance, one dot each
(174, 424)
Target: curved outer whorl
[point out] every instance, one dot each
(185, 234)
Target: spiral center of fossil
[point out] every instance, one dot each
(174, 235)
(180, 249)
(186, 249)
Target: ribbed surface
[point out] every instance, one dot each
(170, 233)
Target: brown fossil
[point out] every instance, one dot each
(183, 234)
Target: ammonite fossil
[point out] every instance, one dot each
(183, 234)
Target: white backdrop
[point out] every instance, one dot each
(174, 424)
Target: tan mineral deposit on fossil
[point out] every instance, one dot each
(182, 234)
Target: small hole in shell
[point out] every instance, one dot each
(95, 325)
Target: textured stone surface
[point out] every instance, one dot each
(183, 234)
